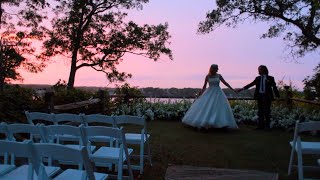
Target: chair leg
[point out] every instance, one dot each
(120, 166)
(130, 168)
(141, 157)
(120, 170)
(117, 146)
(291, 161)
(300, 166)
(149, 154)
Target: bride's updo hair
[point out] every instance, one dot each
(212, 68)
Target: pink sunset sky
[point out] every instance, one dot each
(238, 52)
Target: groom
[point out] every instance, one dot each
(265, 86)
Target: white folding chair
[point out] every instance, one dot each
(28, 131)
(303, 147)
(99, 120)
(106, 155)
(63, 153)
(53, 133)
(40, 118)
(6, 166)
(141, 138)
(19, 149)
(68, 119)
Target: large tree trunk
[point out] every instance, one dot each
(73, 70)
(76, 42)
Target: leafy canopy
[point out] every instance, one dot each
(312, 85)
(19, 20)
(298, 19)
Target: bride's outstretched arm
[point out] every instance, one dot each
(225, 83)
(204, 85)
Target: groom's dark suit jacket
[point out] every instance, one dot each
(270, 87)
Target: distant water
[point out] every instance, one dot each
(170, 100)
(181, 100)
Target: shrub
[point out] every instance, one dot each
(14, 100)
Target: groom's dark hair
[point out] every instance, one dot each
(264, 69)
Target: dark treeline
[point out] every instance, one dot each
(186, 92)
(151, 91)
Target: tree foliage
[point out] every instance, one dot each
(24, 12)
(298, 19)
(312, 85)
(13, 48)
(95, 34)
(128, 94)
(19, 20)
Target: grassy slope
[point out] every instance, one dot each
(174, 144)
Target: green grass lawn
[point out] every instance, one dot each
(246, 148)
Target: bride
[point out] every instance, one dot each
(211, 109)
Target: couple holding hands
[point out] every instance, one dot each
(212, 109)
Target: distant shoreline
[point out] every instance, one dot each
(148, 91)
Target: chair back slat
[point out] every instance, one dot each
(59, 152)
(68, 117)
(127, 119)
(102, 131)
(23, 128)
(49, 133)
(98, 118)
(31, 130)
(308, 126)
(19, 149)
(39, 117)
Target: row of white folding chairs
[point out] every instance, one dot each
(10, 170)
(49, 134)
(140, 138)
(35, 152)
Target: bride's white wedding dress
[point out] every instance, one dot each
(211, 109)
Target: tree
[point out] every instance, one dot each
(299, 19)
(128, 94)
(94, 34)
(13, 47)
(312, 85)
(16, 45)
(11, 59)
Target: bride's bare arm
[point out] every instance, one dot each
(225, 82)
(204, 85)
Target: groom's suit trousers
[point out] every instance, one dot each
(264, 111)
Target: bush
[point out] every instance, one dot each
(62, 95)
(14, 100)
